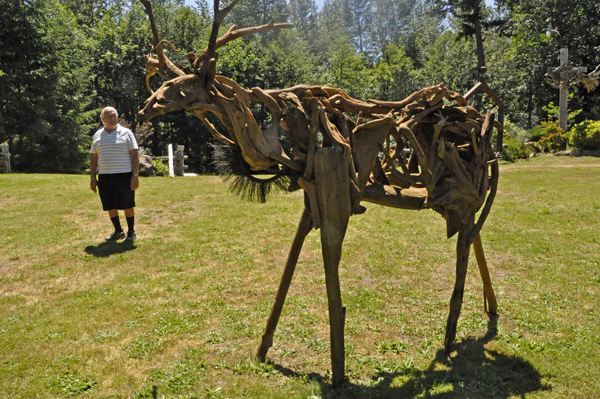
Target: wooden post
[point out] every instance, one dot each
(4, 159)
(304, 228)
(178, 159)
(564, 91)
(563, 86)
(490, 305)
(171, 167)
(333, 196)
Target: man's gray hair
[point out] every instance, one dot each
(107, 109)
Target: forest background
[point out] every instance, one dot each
(62, 61)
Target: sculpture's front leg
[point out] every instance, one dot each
(333, 196)
(304, 228)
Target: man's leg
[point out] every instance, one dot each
(114, 218)
(130, 216)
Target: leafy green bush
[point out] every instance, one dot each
(536, 133)
(554, 138)
(514, 150)
(514, 132)
(585, 135)
(160, 168)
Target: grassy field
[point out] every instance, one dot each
(183, 308)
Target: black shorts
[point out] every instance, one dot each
(115, 191)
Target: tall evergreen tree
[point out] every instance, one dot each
(304, 15)
(257, 12)
(391, 21)
(362, 16)
(46, 66)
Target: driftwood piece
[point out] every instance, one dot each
(489, 298)
(394, 197)
(368, 139)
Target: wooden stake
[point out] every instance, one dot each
(490, 304)
(304, 228)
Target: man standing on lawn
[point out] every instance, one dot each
(114, 159)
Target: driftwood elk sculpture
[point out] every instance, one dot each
(341, 152)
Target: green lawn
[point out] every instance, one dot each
(183, 308)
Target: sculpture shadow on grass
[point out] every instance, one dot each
(109, 248)
(473, 372)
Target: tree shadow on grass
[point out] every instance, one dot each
(473, 372)
(109, 248)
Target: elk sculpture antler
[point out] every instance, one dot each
(341, 161)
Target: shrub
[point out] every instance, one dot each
(514, 150)
(554, 137)
(536, 133)
(160, 168)
(585, 135)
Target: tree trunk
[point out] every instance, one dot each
(480, 53)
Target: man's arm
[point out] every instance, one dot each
(135, 169)
(93, 171)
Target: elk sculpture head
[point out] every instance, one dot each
(340, 161)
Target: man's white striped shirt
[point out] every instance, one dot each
(113, 150)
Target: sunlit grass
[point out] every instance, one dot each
(183, 308)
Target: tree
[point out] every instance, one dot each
(44, 56)
(579, 25)
(470, 15)
(334, 26)
(361, 19)
(448, 51)
(257, 12)
(394, 76)
(304, 15)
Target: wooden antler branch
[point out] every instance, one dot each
(148, 6)
(163, 64)
(233, 34)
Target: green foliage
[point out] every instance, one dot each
(554, 137)
(578, 23)
(515, 132)
(536, 133)
(43, 99)
(514, 150)
(445, 51)
(585, 135)
(554, 112)
(394, 76)
(160, 168)
(64, 60)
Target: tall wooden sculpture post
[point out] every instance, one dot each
(565, 76)
(563, 85)
(341, 152)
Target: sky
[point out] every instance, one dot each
(320, 2)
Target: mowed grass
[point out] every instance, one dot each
(183, 309)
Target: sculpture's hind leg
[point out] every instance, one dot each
(463, 247)
(304, 228)
(490, 304)
(333, 195)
